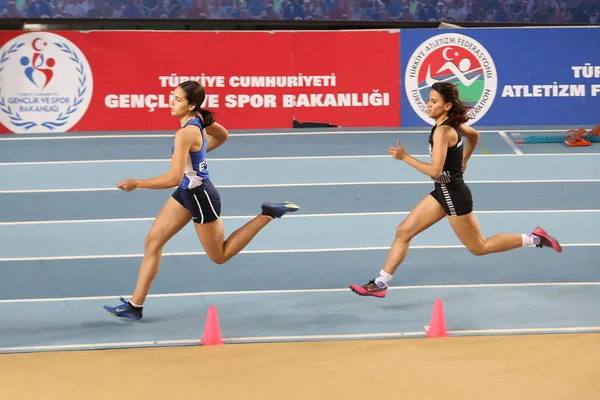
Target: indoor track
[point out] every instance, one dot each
(71, 242)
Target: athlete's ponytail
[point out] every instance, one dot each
(208, 117)
(458, 113)
(195, 94)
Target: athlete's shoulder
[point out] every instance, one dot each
(186, 133)
(444, 135)
(442, 130)
(196, 121)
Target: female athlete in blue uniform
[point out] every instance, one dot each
(451, 197)
(194, 199)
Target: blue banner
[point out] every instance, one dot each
(510, 76)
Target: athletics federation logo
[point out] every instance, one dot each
(453, 58)
(45, 83)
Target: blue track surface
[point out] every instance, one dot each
(70, 242)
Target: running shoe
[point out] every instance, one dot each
(546, 240)
(125, 310)
(370, 289)
(278, 210)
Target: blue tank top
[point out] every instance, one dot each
(196, 166)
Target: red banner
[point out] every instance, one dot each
(108, 80)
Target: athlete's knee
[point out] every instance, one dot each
(220, 260)
(404, 233)
(218, 257)
(478, 249)
(153, 242)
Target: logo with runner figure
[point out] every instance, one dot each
(454, 58)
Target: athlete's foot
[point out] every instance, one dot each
(125, 310)
(370, 289)
(546, 240)
(278, 210)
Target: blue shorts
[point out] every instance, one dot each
(203, 202)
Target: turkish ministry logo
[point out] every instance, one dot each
(38, 63)
(45, 83)
(453, 58)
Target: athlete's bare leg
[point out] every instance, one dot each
(425, 214)
(468, 231)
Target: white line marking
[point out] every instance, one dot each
(512, 144)
(92, 346)
(536, 155)
(88, 221)
(125, 136)
(166, 160)
(278, 158)
(306, 338)
(276, 185)
(260, 134)
(199, 253)
(232, 134)
(506, 331)
(323, 215)
(68, 162)
(303, 291)
(278, 251)
(58, 190)
(525, 330)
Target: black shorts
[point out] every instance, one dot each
(454, 197)
(203, 202)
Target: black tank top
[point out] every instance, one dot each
(452, 171)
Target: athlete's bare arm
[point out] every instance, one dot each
(217, 135)
(472, 136)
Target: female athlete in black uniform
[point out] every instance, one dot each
(450, 197)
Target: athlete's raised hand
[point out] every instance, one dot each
(398, 152)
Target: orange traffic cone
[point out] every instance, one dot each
(437, 326)
(212, 331)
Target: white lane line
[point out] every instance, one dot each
(305, 291)
(323, 215)
(512, 144)
(266, 339)
(277, 185)
(276, 158)
(278, 251)
(334, 131)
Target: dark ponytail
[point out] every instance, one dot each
(195, 94)
(458, 113)
(208, 117)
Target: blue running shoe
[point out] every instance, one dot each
(278, 210)
(125, 310)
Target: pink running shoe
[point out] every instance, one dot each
(370, 289)
(546, 240)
